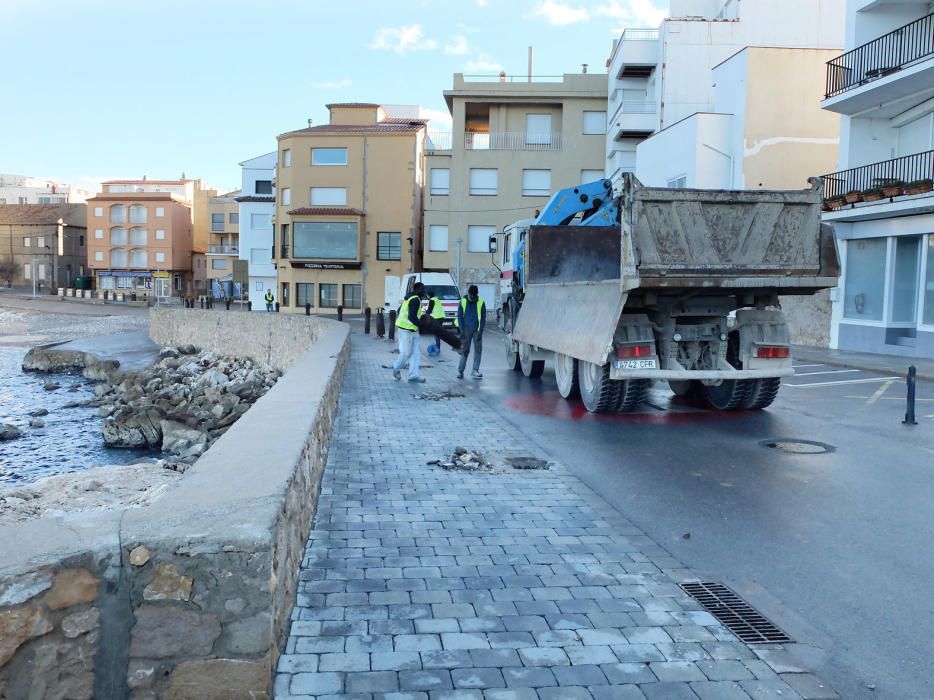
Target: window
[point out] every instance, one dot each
(217, 222)
(80, 241)
(594, 122)
(260, 256)
(352, 296)
(160, 212)
(160, 257)
(99, 256)
(219, 264)
(437, 238)
(286, 196)
(118, 214)
(44, 200)
(118, 236)
(263, 187)
(40, 241)
(258, 287)
(99, 233)
(124, 283)
(2, 200)
(98, 211)
(138, 235)
(283, 240)
(538, 129)
(478, 238)
(328, 296)
(105, 282)
(928, 317)
(678, 183)
(905, 279)
(284, 295)
(591, 175)
(261, 221)
(304, 294)
(118, 258)
(483, 181)
(328, 196)
(864, 284)
(41, 271)
(27, 243)
(388, 246)
(536, 183)
(440, 181)
(137, 214)
(27, 271)
(327, 240)
(233, 218)
(160, 234)
(139, 258)
(286, 157)
(329, 156)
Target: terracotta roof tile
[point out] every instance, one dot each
(72, 214)
(326, 211)
(146, 182)
(404, 120)
(352, 105)
(381, 128)
(255, 198)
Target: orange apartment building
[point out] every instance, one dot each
(141, 234)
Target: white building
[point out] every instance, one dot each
(884, 88)
(257, 206)
(658, 77)
(22, 189)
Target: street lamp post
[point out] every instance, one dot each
(458, 241)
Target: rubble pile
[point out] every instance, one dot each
(440, 396)
(463, 459)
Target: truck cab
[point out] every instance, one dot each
(440, 284)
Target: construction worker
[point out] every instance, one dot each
(407, 324)
(269, 299)
(471, 320)
(436, 313)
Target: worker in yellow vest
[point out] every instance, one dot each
(436, 312)
(407, 325)
(471, 320)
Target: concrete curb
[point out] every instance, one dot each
(884, 364)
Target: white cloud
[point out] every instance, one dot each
(458, 46)
(332, 84)
(560, 14)
(440, 119)
(482, 3)
(482, 63)
(402, 39)
(633, 13)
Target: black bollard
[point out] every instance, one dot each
(277, 307)
(201, 301)
(912, 384)
(392, 324)
(308, 308)
(380, 323)
(249, 306)
(227, 303)
(366, 320)
(340, 313)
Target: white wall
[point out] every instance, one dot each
(697, 147)
(259, 168)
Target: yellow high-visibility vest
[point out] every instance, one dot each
(403, 320)
(464, 310)
(437, 311)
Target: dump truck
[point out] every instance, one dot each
(621, 289)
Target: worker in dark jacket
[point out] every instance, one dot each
(471, 320)
(407, 324)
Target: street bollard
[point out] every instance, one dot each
(227, 303)
(340, 313)
(367, 312)
(380, 323)
(277, 307)
(249, 306)
(392, 324)
(912, 380)
(308, 308)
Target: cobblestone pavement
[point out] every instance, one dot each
(425, 584)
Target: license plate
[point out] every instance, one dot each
(634, 364)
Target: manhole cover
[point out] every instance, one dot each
(806, 447)
(736, 614)
(527, 463)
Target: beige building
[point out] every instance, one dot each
(223, 215)
(514, 143)
(348, 209)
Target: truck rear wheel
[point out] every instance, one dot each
(762, 393)
(512, 349)
(684, 387)
(566, 376)
(532, 369)
(729, 395)
(631, 393)
(599, 393)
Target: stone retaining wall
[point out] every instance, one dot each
(808, 318)
(190, 596)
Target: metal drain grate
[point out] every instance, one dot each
(736, 614)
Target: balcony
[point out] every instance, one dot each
(890, 182)
(223, 249)
(439, 141)
(637, 53)
(512, 141)
(897, 65)
(634, 119)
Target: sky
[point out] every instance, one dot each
(99, 89)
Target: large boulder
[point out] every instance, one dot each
(131, 429)
(8, 431)
(179, 438)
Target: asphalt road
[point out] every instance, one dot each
(835, 547)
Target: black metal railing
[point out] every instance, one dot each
(284, 250)
(897, 176)
(880, 57)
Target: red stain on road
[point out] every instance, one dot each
(550, 405)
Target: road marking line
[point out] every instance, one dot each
(799, 366)
(884, 398)
(832, 371)
(844, 381)
(881, 390)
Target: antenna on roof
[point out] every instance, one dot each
(309, 123)
(583, 67)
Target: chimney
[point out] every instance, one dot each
(502, 76)
(530, 64)
(584, 68)
(309, 123)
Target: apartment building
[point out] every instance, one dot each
(223, 212)
(881, 198)
(23, 189)
(514, 142)
(660, 76)
(42, 245)
(140, 236)
(348, 209)
(257, 207)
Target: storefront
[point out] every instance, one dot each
(145, 282)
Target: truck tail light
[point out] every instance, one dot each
(773, 352)
(628, 352)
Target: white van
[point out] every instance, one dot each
(441, 284)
